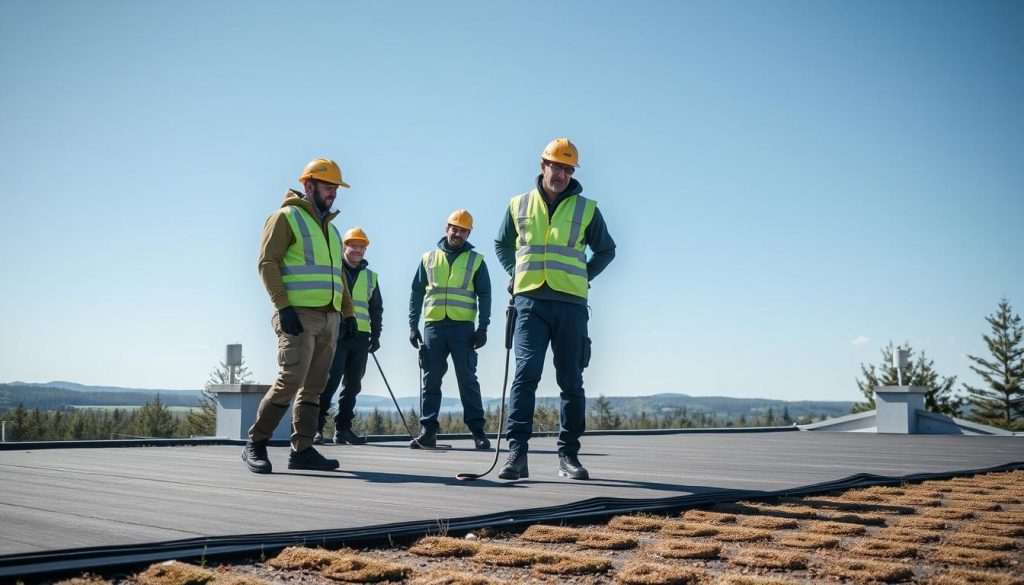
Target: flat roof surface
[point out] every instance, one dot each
(80, 497)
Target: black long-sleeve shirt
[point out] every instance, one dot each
(596, 236)
(376, 302)
(481, 285)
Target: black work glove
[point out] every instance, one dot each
(479, 338)
(374, 344)
(414, 337)
(509, 288)
(351, 328)
(289, 321)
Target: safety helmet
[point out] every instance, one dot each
(355, 234)
(560, 150)
(323, 169)
(461, 218)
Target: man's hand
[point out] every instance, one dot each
(374, 344)
(289, 321)
(414, 337)
(509, 288)
(351, 327)
(479, 338)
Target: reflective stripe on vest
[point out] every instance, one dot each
(362, 290)
(450, 291)
(551, 251)
(311, 267)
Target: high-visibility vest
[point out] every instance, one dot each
(362, 290)
(551, 250)
(311, 267)
(450, 291)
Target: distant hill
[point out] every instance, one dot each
(84, 388)
(44, 397)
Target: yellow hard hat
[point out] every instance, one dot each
(560, 150)
(461, 218)
(323, 169)
(355, 234)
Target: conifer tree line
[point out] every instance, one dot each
(998, 402)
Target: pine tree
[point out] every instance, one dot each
(155, 420)
(1002, 403)
(602, 416)
(202, 420)
(940, 397)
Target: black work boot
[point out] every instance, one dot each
(516, 466)
(480, 440)
(570, 466)
(255, 456)
(427, 438)
(348, 436)
(310, 458)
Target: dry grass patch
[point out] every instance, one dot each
(811, 513)
(958, 555)
(917, 501)
(972, 505)
(807, 541)
(923, 523)
(888, 549)
(741, 534)
(541, 560)
(946, 513)
(637, 523)
(708, 517)
(174, 573)
(841, 528)
(735, 579)
(993, 528)
(444, 546)
(1005, 517)
(452, 578)
(983, 541)
(296, 558)
(689, 529)
(770, 558)
(541, 533)
(911, 535)
(868, 571)
(572, 565)
(767, 522)
(863, 496)
(680, 548)
(647, 573)
(585, 538)
(966, 577)
(362, 569)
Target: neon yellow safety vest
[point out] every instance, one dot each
(450, 291)
(551, 251)
(311, 267)
(362, 290)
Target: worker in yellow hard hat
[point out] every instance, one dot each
(300, 264)
(452, 290)
(350, 357)
(542, 244)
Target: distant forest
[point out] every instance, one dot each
(37, 413)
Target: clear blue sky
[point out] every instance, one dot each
(790, 184)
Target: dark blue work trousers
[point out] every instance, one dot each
(347, 369)
(564, 326)
(455, 338)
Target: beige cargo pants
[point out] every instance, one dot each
(304, 363)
